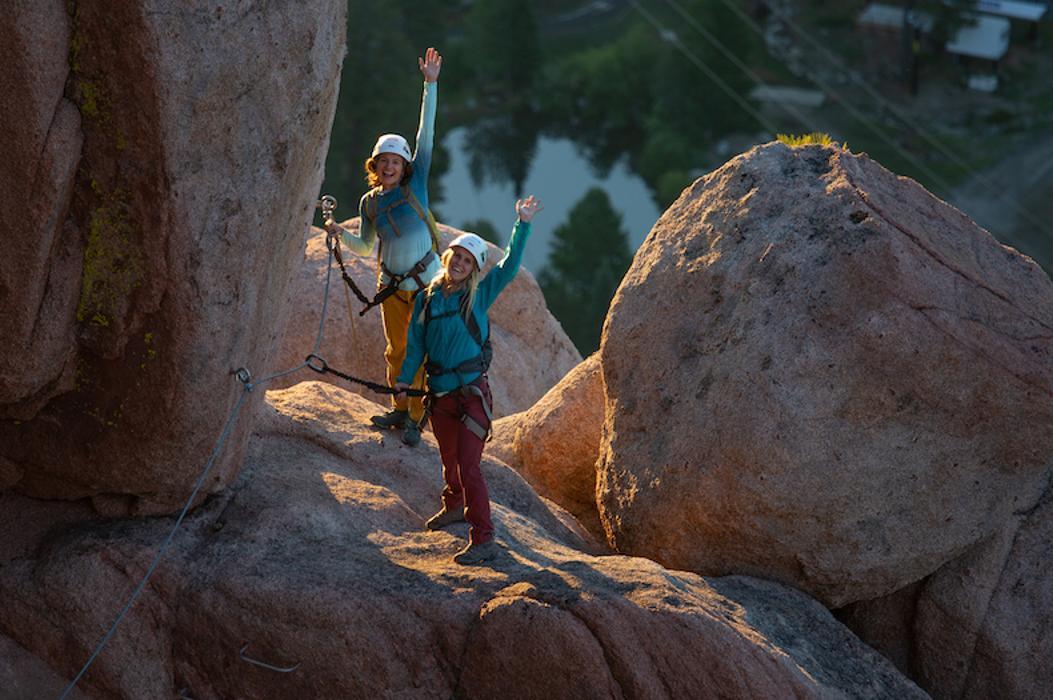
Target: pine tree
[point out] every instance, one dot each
(484, 229)
(589, 256)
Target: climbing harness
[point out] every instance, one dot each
(370, 212)
(480, 363)
(466, 391)
(327, 204)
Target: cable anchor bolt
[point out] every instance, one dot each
(316, 363)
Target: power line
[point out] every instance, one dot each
(852, 75)
(671, 37)
(730, 55)
(831, 92)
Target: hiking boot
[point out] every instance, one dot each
(443, 518)
(477, 553)
(411, 432)
(390, 420)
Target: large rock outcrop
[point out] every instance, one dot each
(555, 443)
(22, 675)
(40, 268)
(317, 559)
(979, 626)
(531, 350)
(855, 387)
(982, 627)
(162, 174)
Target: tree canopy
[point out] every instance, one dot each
(589, 256)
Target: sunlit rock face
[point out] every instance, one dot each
(163, 167)
(531, 350)
(554, 444)
(818, 373)
(317, 559)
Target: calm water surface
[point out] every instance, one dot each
(560, 177)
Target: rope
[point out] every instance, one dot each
(164, 546)
(321, 329)
(834, 94)
(730, 56)
(314, 362)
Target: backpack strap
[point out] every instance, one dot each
(425, 215)
(410, 198)
(480, 363)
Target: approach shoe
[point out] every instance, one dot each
(445, 517)
(411, 432)
(390, 420)
(477, 553)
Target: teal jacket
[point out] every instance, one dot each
(399, 253)
(448, 341)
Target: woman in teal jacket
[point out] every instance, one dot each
(451, 329)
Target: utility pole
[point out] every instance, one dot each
(909, 48)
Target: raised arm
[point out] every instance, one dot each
(430, 66)
(505, 271)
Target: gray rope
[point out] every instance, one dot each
(321, 329)
(164, 546)
(244, 377)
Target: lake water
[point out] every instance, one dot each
(559, 176)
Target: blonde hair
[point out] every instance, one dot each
(374, 180)
(471, 284)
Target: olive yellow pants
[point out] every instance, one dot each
(396, 311)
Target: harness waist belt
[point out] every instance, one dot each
(394, 281)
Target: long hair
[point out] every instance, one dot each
(371, 172)
(471, 284)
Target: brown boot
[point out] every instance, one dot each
(477, 553)
(443, 518)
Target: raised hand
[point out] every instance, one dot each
(431, 64)
(526, 208)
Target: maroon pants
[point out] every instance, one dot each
(461, 450)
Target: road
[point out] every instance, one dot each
(1014, 198)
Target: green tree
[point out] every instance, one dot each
(500, 58)
(484, 229)
(589, 256)
(600, 97)
(380, 87)
(645, 96)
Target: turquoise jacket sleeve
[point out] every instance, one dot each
(425, 142)
(505, 271)
(363, 243)
(415, 349)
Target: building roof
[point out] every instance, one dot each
(988, 38)
(877, 14)
(1017, 9)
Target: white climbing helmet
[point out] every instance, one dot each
(392, 143)
(474, 245)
